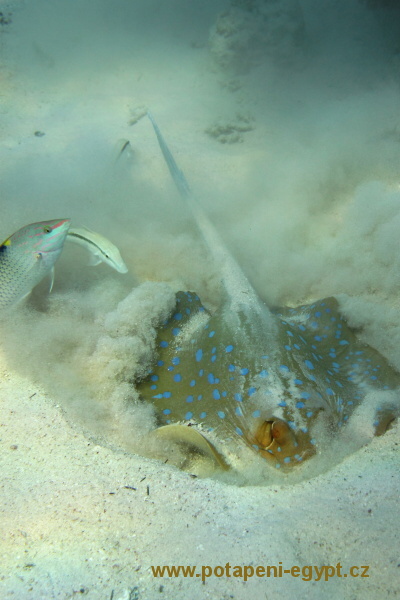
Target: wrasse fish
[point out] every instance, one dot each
(99, 247)
(28, 256)
(250, 375)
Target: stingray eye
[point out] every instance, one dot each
(46, 229)
(38, 255)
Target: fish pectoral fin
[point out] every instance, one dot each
(195, 446)
(51, 277)
(93, 260)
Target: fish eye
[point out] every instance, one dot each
(38, 255)
(107, 256)
(46, 229)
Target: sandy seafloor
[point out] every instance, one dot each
(308, 202)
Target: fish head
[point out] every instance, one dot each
(43, 241)
(49, 239)
(111, 256)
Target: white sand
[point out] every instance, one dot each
(298, 205)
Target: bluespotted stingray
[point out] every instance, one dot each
(255, 376)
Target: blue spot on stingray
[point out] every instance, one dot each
(284, 368)
(166, 411)
(177, 316)
(287, 347)
(239, 431)
(199, 355)
(192, 383)
(213, 358)
(221, 414)
(231, 368)
(167, 394)
(170, 368)
(211, 334)
(298, 382)
(211, 378)
(160, 363)
(176, 360)
(153, 387)
(251, 391)
(154, 378)
(329, 392)
(203, 415)
(318, 338)
(223, 394)
(201, 372)
(239, 411)
(263, 373)
(158, 396)
(216, 380)
(244, 371)
(163, 344)
(286, 459)
(309, 414)
(296, 346)
(289, 333)
(282, 403)
(308, 364)
(305, 396)
(200, 396)
(178, 377)
(265, 356)
(317, 314)
(188, 415)
(216, 395)
(343, 342)
(213, 351)
(302, 328)
(238, 397)
(256, 413)
(189, 399)
(229, 348)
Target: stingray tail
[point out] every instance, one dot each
(240, 295)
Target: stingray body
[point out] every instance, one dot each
(249, 375)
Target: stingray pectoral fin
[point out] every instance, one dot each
(194, 444)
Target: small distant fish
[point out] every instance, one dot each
(28, 256)
(99, 247)
(122, 147)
